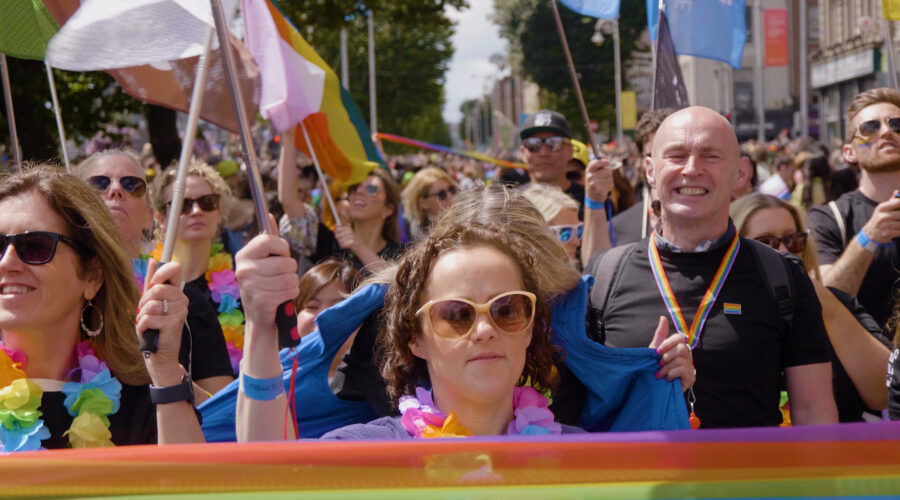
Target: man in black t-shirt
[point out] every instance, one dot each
(859, 254)
(744, 345)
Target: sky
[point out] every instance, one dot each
(471, 74)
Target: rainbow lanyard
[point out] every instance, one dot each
(693, 333)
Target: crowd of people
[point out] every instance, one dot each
(684, 281)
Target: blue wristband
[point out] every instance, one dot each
(262, 389)
(594, 205)
(869, 244)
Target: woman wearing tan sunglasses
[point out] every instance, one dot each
(860, 350)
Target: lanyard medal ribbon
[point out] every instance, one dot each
(692, 334)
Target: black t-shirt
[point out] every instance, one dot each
(327, 246)
(627, 224)
(358, 377)
(576, 192)
(134, 423)
(203, 351)
(880, 283)
(893, 383)
(850, 405)
(740, 357)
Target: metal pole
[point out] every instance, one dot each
(618, 71)
(325, 190)
(345, 66)
(10, 113)
(373, 108)
(248, 151)
(187, 149)
(58, 114)
(889, 41)
(758, 73)
(804, 74)
(574, 75)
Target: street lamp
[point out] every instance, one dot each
(611, 27)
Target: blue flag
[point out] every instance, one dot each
(606, 9)
(715, 29)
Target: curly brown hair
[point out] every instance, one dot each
(402, 370)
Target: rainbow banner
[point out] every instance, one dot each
(444, 149)
(838, 461)
(299, 85)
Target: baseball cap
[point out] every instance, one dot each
(580, 152)
(546, 120)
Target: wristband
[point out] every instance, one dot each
(173, 394)
(262, 389)
(869, 244)
(594, 205)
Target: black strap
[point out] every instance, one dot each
(777, 277)
(172, 394)
(604, 267)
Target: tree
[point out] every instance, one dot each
(536, 53)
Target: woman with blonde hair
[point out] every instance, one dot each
(429, 192)
(859, 349)
(560, 212)
(70, 370)
(216, 322)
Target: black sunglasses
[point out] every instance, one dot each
(135, 186)
(794, 242)
(442, 195)
(870, 127)
(34, 247)
(554, 143)
(207, 202)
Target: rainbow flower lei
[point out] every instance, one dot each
(225, 293)
(422, 419)
(90, 401)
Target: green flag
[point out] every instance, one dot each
(26, 27)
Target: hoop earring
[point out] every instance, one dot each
(88, 331)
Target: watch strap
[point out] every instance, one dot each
(175, 393)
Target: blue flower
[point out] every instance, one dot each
(227, 304)
(19, 439)
(103, 381)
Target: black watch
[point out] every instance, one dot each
(172, 394)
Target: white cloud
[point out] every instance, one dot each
(475, 40)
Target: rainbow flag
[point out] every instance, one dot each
(298, 86)
(837, 461)
(475, 155)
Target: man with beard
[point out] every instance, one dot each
(856, 234)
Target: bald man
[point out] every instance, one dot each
(743, 344)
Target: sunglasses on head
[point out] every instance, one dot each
(511, 313)
(442, 195)
(368, 189)
(794, 242)
(554, 143)
(870, 127)
(135, 186)
(565, 232)
(34, 247)
(207, 203)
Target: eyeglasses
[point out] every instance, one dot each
(135, 186)
(870, 127)
(554, 143)
(442, 195)
(511, 313)
(565, 232)
(794, 242)
(34, 247)
(207, 202)
(368, 189)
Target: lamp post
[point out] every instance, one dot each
(611, 27)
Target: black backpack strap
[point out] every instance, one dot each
(777, 276)
(604, 267)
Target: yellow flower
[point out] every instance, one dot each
(218, 262)
(9, 370)
(234, 334)
(19, 403)
(157, 252)
(89, 431)
(451, 429)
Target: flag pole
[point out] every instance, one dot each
(574, 75)
(804, 73)
(10, 113)
(326, 191)
(58, 114)
(187, 148)
(345, 65)
(889, 41)
(758, 73)
(285, 317)
(373, 108)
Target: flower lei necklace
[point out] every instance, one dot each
(225, 293)
(90, 401)
(422, 419)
